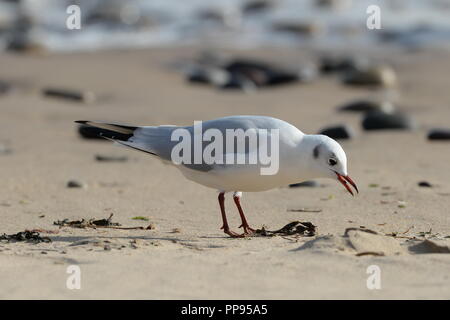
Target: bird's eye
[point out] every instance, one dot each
(332, 162)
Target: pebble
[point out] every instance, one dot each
(308, 184)
(380, 120)
(74, 184)
(439, 134)
(257, 6)
(425, 184)
(334, 64)
(366, 106)
(72, 95)
(102, 158)
(378, 76)
(300, 28)
(338, 132)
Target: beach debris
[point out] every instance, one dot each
(176, 230)
(297, 228)
(439, 134)
(24, 236)
(374, 185)
(104, 158)
(366, 106)
(376, 76)
(71, 95)
(380, 120)
(93, 223)
(424, 184)
(314, 210)
(74, 184)
(140, 218)
(338, 132)
(307, 184)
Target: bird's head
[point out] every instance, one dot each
(330, 161)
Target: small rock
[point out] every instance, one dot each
(107, 247)
(366, 106)
(338, 132)
(334, 64)
(439, 134)
(257, 6)
(380, 120)
(74, 184)
(102, 158)
(72, 95)
(308, 184)
(378, 76)
(425, 184)
(300, 28)
(208, 75)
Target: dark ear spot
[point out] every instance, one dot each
(316, 151)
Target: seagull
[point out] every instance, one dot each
(301, 156)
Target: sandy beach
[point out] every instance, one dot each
(186, 255)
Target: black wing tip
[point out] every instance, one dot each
(81, 121)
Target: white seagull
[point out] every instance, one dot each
(301, 157)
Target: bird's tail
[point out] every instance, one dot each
(121, 134)
(110, 131)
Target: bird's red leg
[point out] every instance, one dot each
(237, 201)
(225, 226)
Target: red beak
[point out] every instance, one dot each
(344, 179)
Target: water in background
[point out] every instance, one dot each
(230, 23)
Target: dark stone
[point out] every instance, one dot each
(333, 64)
(308, 184)
(102, 158)
(74, 184)
(240, 82)
(338, 132)
(72, 95)
(366, 106)
(380, 120)
(257, 6)
(425, 184)
(260, 73)
(439, 134)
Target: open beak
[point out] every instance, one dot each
(344, 179)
